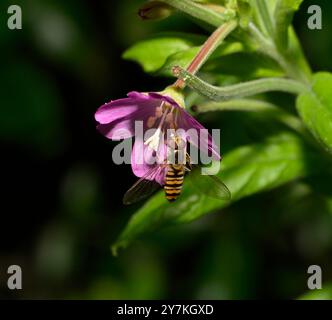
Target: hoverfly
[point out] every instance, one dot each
(174, 178)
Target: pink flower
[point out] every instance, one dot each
(158, 111)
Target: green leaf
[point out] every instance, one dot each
(264, 108)
(183, 58)
(245, 65)
(246, 171)
(151, 54)
(324, 294)
(283, 16)
(315, 108)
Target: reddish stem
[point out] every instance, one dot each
(207, 49)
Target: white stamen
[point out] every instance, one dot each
(154, 140)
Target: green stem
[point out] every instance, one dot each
(251, 105)
(208, 48)
(267, 47)
(239, 90)
(199, 11)
(266, 17)
(214, 18)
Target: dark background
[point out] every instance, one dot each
(61, 194)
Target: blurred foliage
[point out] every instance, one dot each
(246, 170)
(153, 53)
(316, 109)
(62, 195)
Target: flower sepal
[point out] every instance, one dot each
(174, 93)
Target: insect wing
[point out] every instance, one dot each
(211, 186)
(143, 188)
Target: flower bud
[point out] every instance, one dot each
(155, 10)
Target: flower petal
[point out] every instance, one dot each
(126, 107)
(117, 118)
(121, 129)
(138, 95)
(139, 155)
(115, 110)
(161, 174)
(144, 159)
(203, 140)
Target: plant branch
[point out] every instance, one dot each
(208, 48)
(251, 105)
(239, 90)
(215, 18)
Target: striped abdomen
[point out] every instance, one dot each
(174, 182)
